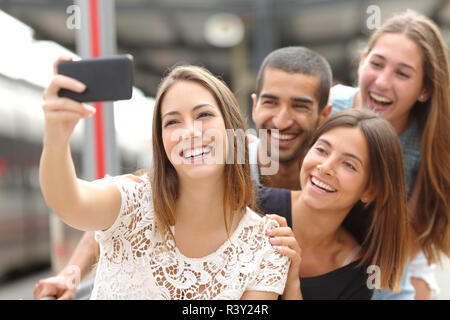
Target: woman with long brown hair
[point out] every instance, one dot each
(404, 76)
(185, 230)
(350, 215)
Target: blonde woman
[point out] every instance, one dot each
(186, 230)
(404, 76)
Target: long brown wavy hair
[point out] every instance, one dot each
(381, 226)
(238, 186)
(431, 219)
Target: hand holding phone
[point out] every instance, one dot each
(106, 78)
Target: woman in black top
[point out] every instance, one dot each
(348, 282)
(350, 213)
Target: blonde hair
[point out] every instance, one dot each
(432, 216)
(381, 227)
(238, 186)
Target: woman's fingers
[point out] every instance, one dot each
(60, 108)
(280, 231)
(67, 106)
(288, 246)
(291, 254)
(62, 82)
(44, 289)
(62, 114)
(281, 220)
(284, 241)
(55, 64)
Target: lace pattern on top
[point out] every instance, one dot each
(134, 263)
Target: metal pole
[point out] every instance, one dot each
(109, 47)
(264, 37)
(97, 37)
(83, 46)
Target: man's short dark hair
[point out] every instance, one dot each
(299, 60)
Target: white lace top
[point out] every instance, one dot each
(135, 264)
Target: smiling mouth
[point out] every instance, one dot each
(283, 136)
(379, 103)
(321, 185)
(283, 139)
(194, 154)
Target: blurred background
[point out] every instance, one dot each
(228, 37)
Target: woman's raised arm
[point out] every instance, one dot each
(81, 204)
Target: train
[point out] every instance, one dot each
(26, 243)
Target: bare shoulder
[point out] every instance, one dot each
(109, 180)
(135, 178)
(113, 186)
(105, 199)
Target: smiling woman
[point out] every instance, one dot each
(186, 117)
(186, 229)
(404, 76)
(391, 78)
(350, 215)
(338, 168)
(183, 130)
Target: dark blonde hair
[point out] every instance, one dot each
(238, 186)
(431, 220)
(381, 226)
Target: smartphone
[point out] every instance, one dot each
(106, 78)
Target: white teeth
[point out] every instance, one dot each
(379, 98)
(322, 185)
(281, 136)
(195, 152)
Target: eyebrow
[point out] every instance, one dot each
(351, 155)
(298, 99)
(401, 63)
(171, 113)
(303, 100)
(269, 96)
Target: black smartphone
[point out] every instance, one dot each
(106, 78)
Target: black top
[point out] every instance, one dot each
(345, 283)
